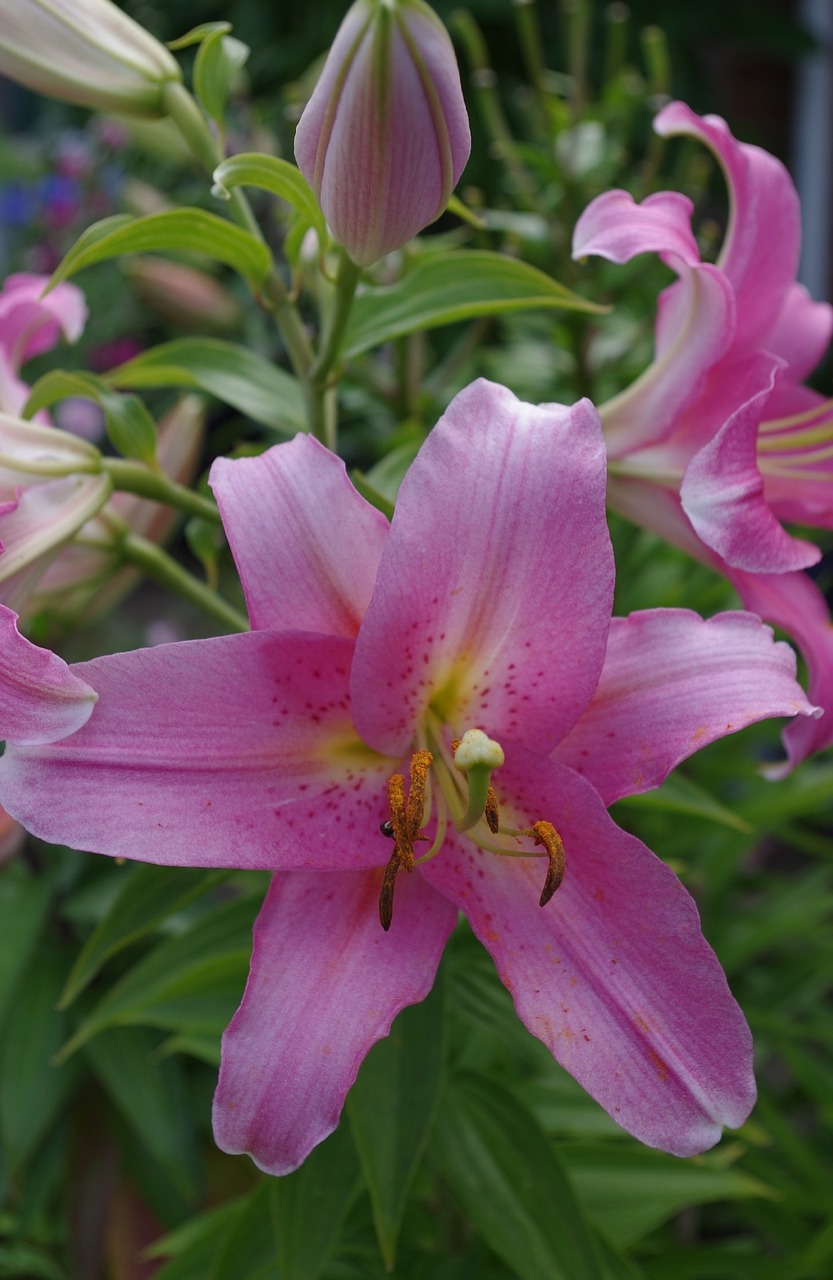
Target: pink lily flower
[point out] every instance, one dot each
(484, 606)
(717, 442)
(31, 324)
(38, 510)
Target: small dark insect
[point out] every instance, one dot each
(386, 828)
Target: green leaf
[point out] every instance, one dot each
(148, 896)
(234, 375)
(453, 286)
(58, 385)
(629, 1190)
(199, 33)
(152, 1096)
(130, 428)
(192, 981)
(247, 1251)
(679, 794)
(193, 1246)
(219, 60)
(391, 1108)
(173, 231)
(269, 173)
(34, 1090)
(511, 1186)
(24, 902)
(309, 1206)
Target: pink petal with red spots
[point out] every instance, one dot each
(671, 683)
(613, 975)
(232, 752)
(493, 596)
(325, 984)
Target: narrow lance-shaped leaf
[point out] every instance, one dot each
(508, 1182)
(450, 287)
(238, 377)
(173, 231)
(219, 59)
(309, 1206)
(269, 173)
(148, 896)
(391, 1107)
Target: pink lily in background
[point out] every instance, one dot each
(31, 324)
(484, 606)
(42, 499)
(717, 442)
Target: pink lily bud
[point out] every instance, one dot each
(85, 51)
(385, 136)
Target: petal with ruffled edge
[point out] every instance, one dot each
(493, 596)
(613, 974)
(793, 601)
(722, 493)
(306, 544)
(32, 321)
(695, 321)
(672, 682)
(615, 227)
(761, 246)
(233, 752)
(325, 984)
(41, 700)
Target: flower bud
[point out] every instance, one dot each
(85, 51)
(385, 135)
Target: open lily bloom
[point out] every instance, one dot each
(718, 442)
(323, 745)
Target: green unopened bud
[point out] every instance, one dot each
(85, 51)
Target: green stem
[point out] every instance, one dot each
(135, 477)
(196, 131)
(323, 420)
(502, 146)
(529, 31)
(162, 568)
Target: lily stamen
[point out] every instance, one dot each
(406, 819)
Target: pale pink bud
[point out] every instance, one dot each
(385, 136)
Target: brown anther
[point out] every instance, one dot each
(406, 817)
(492, 811)
(545, 834)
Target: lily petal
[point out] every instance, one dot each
(325, 984)
(306, 544)
(232, 752)
(493, 595)
(762, 242)
(613, 974)
(41, 700)
(615, 227)
(32, 321)
(794, 602)
(673, 682)
(722, 493)
(801, 333)
(43, 519)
